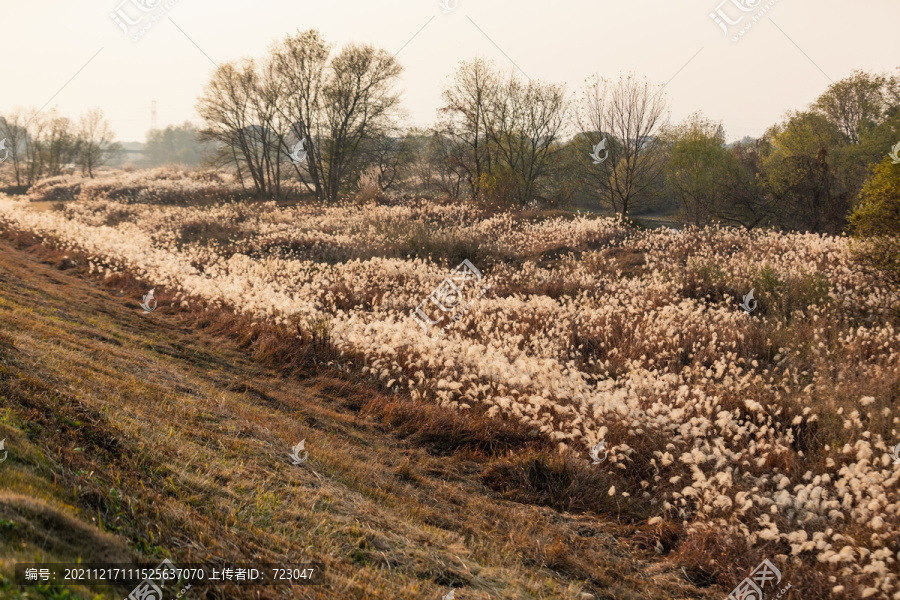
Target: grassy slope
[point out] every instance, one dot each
(135, 436)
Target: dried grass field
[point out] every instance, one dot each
(437, 460)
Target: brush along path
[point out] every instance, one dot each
(132, 436)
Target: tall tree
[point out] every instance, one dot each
(746, 201)
(61, 146)
(335, 104)
(95, 141)
(875, 223)
(854, 102)
(503, 132)
(799, 161)
(525, 126)
(260, 111)
(360, 104)
(466, 114)
(698, 166)
(627, 113)
(301, 62)
(13, 131)
(238, 120)
(35, 153)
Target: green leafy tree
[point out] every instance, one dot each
(698, 168)
(711, 181)
(878, 210)
(875, 223)
(865, 107)
(799, 161)
(746, 201)
(855, 102)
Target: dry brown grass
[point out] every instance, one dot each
(168, 433)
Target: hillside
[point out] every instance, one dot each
(135, 436)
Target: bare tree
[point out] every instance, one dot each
(300, 63)
(525, 125)
(37, 126)
(338, 105)
(239, 111)
(359, 104)
(388, 155)
(61, 146)
(267, 94)
(40, 144)
(95, 141)
(14, 133)
(627, 113)
(469, 99)
(299, 92)
(440, 167)
(502, 131)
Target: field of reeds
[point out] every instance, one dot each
(731, 437)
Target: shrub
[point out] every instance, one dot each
(498, 190)
(369, 186)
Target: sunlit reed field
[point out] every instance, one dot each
(743, 436)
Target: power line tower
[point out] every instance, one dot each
(153, 115)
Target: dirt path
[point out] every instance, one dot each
(135, 435)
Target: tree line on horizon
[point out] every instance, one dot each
(506, 141)
(39, 145)
(501, 141)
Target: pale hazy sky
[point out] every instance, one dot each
(74, 53)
